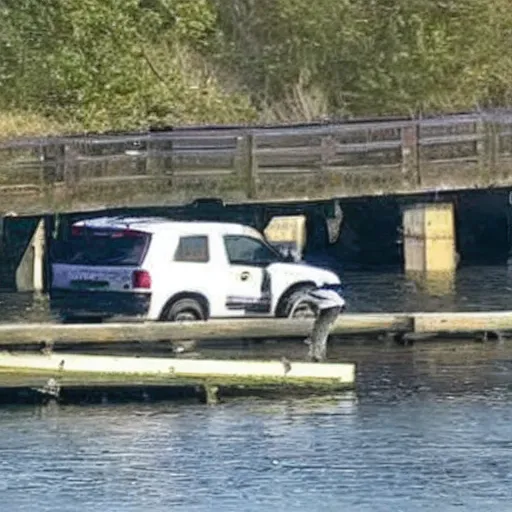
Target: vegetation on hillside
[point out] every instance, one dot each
(68, 65)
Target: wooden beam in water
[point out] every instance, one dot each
(463, 322)
(367, 323)
(175, 369)
(254, 328)
(23, 334)
(12, 335)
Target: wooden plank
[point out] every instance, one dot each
(192, 173)
(298, 152)
(22, 334)
(277, 171)
(455, 160)
(462, 322)
(308, 152)
(367, 147)
(362, 169)
(199, 152)
(450, 120)
(450, 139)
(151, 178)
(176, 368)
(278, 136)
(27, 188)
(361, 323)
(212, 136)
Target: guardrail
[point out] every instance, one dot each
(261, 163)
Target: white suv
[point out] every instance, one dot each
(159, 269)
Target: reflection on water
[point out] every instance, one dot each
(427, 429)
(433, 284)
(470, 289)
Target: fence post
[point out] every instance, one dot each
(481, 145)
(142, 159)
(52, 162)
(247, 164)
(67, 171)
(327, 150)
(487, 147)
(61, 162)
(410, 153)
(497, 127)
(71, 171)
(170, 161)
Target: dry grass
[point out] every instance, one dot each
(25, 124)
(303, 102)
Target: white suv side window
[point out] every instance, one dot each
(245, 250)
(193, 249)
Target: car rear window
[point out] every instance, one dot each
(107, 247)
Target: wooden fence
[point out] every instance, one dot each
(239, 164)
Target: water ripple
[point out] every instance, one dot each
(427, 429)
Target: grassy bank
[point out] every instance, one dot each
(19, 124)
(101, 65)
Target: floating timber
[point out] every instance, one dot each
(254, 328)
(262, 328)
(455, 323)
(12, 335)
(174, 368)
(71, 377)
(53, 374)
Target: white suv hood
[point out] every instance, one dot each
(303, 272)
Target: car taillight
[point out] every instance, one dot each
(141, 279)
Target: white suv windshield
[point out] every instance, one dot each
(250, 251)
(103, 247)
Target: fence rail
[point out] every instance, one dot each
(255, 164)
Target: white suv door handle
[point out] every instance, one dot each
(245, 275)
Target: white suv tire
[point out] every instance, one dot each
(184, 310)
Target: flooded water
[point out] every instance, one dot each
(470, 289)
(428, 428)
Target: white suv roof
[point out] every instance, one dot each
(162, 225)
